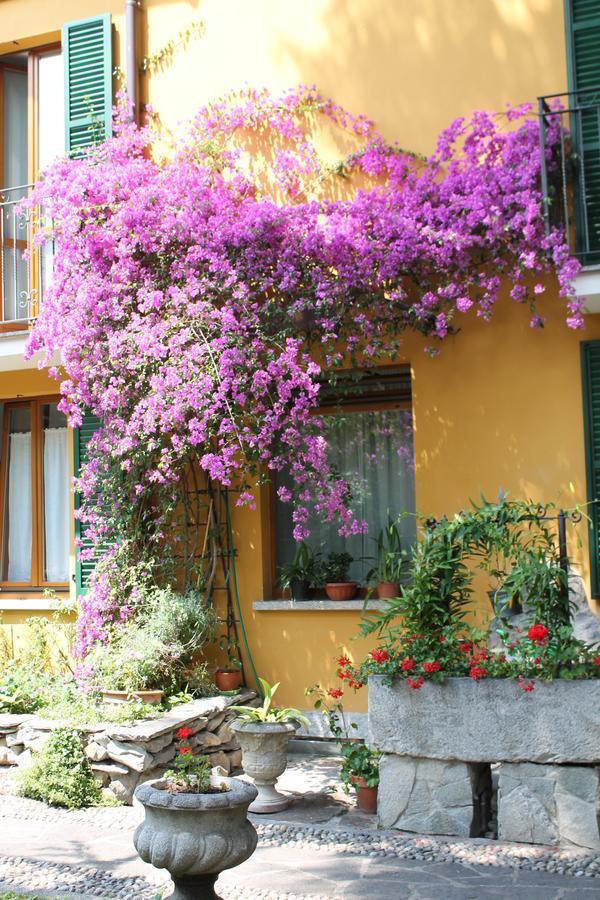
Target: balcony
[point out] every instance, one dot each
(570, 123)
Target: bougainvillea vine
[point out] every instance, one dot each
(200, 297)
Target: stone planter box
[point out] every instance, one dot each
(487, 721)
(124, 756)
(438, 744)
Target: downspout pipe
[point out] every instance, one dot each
(131, 63)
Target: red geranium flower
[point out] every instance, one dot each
(343, 661)
(477, 673)
(408, 664)
(336, 693)
(464, 647)
(184, 750)
(538, 634)
(596, 660)
(431, 666)
(525, 684)
(380, 656)
(415, 683)
(184, 733)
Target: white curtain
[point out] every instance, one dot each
(373, 451)
(56, 505)
(19, 507)
(14, 272)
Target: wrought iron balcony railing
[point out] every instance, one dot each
(570, 150)
(24, 268)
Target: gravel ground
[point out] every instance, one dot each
(334, 837)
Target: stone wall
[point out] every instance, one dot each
(123, 756)
(439, 745)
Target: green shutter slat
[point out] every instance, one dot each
(87, 51)
(81, 440)
(582, 19)
(590, 369)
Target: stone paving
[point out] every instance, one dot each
(321, 848)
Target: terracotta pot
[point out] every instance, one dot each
(343, 590)
(228, 679)
(153, 698)
(366, 797)
(386, 590)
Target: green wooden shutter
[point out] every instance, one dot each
(81, 439)
(583, 60)
(87, 51)
(590, 365)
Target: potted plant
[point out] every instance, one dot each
(389, 562)
(264, 733)
(229, 678)
(337, 584)
(299, 575)
(360, 763)
(360, 768)
(195, 824)
(130, 667)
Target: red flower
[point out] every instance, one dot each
(184, 750)
(343, 674)
(336, 693)
(464, 647)
(502, 657)
(477, 673)
(408, 664)
(525, 684)
(379, 656)
(415, 683)
(431, 666)
(355, 684)
(343, 661)
(184, 733)
(441, 639)
(538, 634)
(596, 660)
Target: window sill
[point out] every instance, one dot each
(28, 604)
(315, 605)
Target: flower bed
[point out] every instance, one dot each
(123, 756)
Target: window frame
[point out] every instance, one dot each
(329, 409)
(32, 71)
(36, 582)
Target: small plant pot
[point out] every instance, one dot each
(152, 698)
(228, 679)
(386, 590)
(264, 748)
(343, 590)
(366, 797)
(300, 590)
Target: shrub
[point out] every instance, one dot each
(60, 774)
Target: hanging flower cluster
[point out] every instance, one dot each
(199, 299)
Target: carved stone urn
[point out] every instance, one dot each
(264, 757)
(195, 836)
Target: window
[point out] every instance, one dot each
(32, 136)
(370, 433)
(34, 492)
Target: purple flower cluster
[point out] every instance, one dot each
(199, 298)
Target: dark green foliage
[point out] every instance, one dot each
(60, 774)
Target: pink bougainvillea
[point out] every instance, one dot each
(199, 300)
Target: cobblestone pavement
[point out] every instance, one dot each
(318, 849)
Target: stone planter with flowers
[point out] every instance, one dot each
(195, 823)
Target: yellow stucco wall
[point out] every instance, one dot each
(502, 405)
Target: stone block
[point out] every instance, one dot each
(12, 739)
(129, 755)
(224, 732)
(124, 786)
(159, 743)
(425, 795)
(219, 759)
(204, 740)
(235, 759)
(165, 756)
(95, 751)
(215, 721)
(541, 804)
(31, 738)
(12, 721)
(487, 721)
(24, 759)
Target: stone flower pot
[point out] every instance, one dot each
(152, 698)
(264, 757)
(195, 836)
